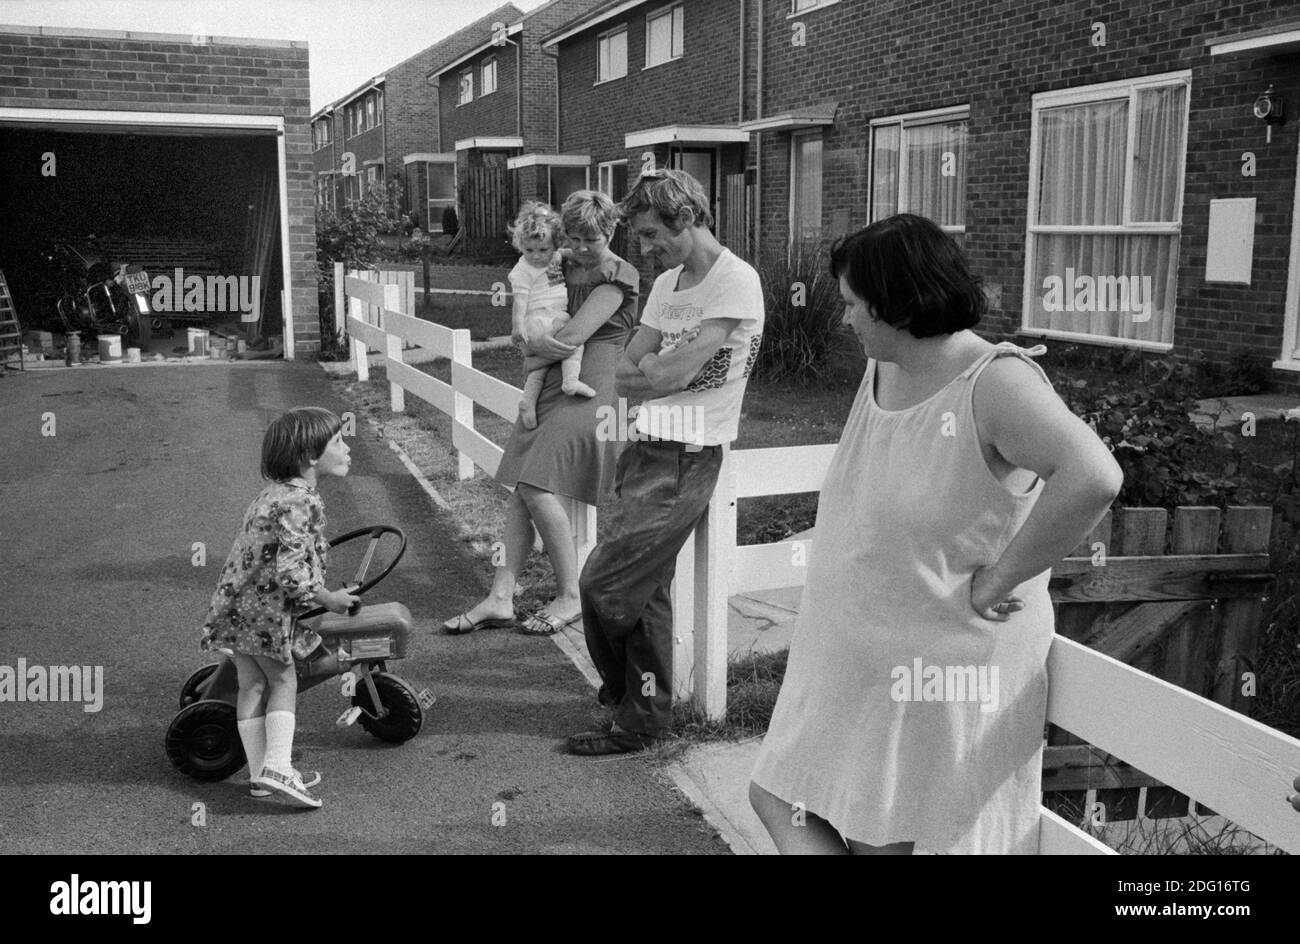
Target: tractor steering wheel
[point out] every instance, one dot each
(375, 532)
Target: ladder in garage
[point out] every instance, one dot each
(11, 333)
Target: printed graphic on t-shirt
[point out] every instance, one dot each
(714, 373)
(678, 324)
(754, 342)
(555, 272)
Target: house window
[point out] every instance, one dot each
(802, 6)
(611, 179)
(442, 194)
(918, 165)
(611, 56)
(1105, 211)
(374, 177)
(663, 36)
(370, 111)
(379, 105)
(352, 189)
(489, 78)
(805, 186)
(466, 87)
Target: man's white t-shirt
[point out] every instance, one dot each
(706, 413)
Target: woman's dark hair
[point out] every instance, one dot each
(912, 274)
(294, 439)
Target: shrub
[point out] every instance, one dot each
(803, 330)
(1148, 428)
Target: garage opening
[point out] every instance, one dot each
(197, 211)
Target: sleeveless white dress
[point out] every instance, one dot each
(864, 734)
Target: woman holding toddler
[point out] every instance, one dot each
(554, 450)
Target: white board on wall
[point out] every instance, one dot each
(1231, 245)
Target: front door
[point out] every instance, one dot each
(702, 164)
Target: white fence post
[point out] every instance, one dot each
(393, 348)
(582, 522)
(715, 550)
(684, 622)
(362, 366)
(464, 406)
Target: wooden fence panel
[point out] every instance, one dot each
(488, 201)
(1162, 613)
(733, 228)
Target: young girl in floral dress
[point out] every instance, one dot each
(276, 570)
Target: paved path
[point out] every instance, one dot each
(96, 529)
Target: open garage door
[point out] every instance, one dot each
(195, 201)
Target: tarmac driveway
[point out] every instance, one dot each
(98, 525)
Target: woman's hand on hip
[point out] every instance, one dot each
(990, 602)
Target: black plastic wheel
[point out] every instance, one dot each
(405, 716)
(190, 690)
(203, 741)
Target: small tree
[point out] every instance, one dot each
(352, 238)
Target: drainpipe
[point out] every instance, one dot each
(519, 87)
(741, 104)
(758, 136)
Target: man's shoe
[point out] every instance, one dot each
(595, 743)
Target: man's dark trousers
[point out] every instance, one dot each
(663, 490)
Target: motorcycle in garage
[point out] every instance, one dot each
(95, 299)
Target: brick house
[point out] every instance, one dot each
(163, 140)
(498, 120)
(1102, 165)
(653, 83)
(389, 126)
(1007, 122)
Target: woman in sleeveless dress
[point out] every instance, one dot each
(915, 696)
(563, 456)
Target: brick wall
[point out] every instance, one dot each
(410, 109)
(700, 88)
(493, 115)
(877, 61)
(149, 72)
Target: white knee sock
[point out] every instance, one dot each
(279, 740)
(252, 733)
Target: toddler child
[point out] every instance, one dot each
(541, 300)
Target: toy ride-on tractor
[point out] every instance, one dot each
(203, 741)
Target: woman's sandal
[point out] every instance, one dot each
(542, 623)
(462, 625)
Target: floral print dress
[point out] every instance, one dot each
(273, 572)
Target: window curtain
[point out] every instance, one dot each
(884, 171)
(933, 150)
(1119, 285)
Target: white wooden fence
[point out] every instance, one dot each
(1240, 768)
(374, 321)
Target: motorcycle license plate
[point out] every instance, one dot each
(137, 282)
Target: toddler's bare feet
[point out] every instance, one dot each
(528, 413)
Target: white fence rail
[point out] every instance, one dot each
(375, 322)
(1237, 766)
